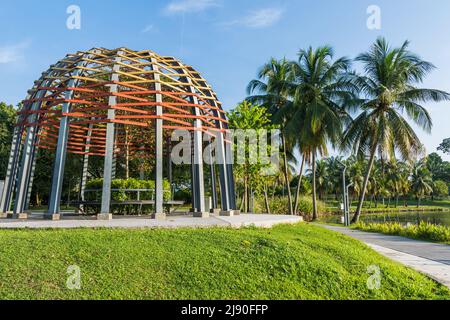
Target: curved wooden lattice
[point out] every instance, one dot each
(103, 102)
(84, 79)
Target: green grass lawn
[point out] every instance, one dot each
(287, 262)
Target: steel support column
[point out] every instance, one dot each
(84, 170)
(220, 153)
(8, 186)
(28, 149)
(230, 177)
(159, 152)
(213, 181)
(105, 211)
(199, 186)
(53, 212)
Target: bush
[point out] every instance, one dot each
(440, 189)
(279, 205)
(422, 231)
(183, 195)
(123, 195)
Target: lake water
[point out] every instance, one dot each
(439, 218)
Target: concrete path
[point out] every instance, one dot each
(432, 259)
(243, 220)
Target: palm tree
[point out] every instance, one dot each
(394, 179)
(299, 183)
(316, 116)
(421, 181)
(322, 178)
(388, 85)
(334, 168)
(271, 90)
(354, 174)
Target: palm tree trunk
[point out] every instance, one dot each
(245, 198)
(364, 187)
(297, 195)
(127, 156)
(266, 199)
(286, 175)
(314, 191)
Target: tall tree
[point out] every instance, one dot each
(445, 146)
(271, 90)
(253, 117)
(421, 181)
(7, 122)
(319, 87)
(389, 86)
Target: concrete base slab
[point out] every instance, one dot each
(201, 214)
(244, 220)
(20, 216)
(159, 216)
(52, 217)
(3, 215)
(215, 212)
(237, 212)
(104, 216)
(228, 213)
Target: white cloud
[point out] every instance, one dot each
(13, 53)
(183, 6)
(149, 28)
(261, 18)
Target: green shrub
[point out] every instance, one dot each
(279, 205)
(183, 195)
(422, 231)
(123, 195)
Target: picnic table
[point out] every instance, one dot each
(170, 205)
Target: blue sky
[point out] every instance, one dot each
(226, 40)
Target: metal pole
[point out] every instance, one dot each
(105, 212)
(26, 161)
(159, 148)
(16, 149)
(231, 192)
(213, 181)
(10, 173)
(344, 196)
(348, 204)
(220, 159)
(220, 145)
(193, 175)
(84, 170)
(169, 168)
(198, 160)
(61, 151)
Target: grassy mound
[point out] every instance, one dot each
(287, 262)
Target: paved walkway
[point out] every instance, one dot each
(432, 259)
(243, 220)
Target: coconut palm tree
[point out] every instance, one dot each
(421, 181)
(389, 86)
(316, 116)
(353, 176)
(271, 90)
(334, 168)
(306, 158)
(322, 177)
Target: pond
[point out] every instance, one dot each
(439, 218)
